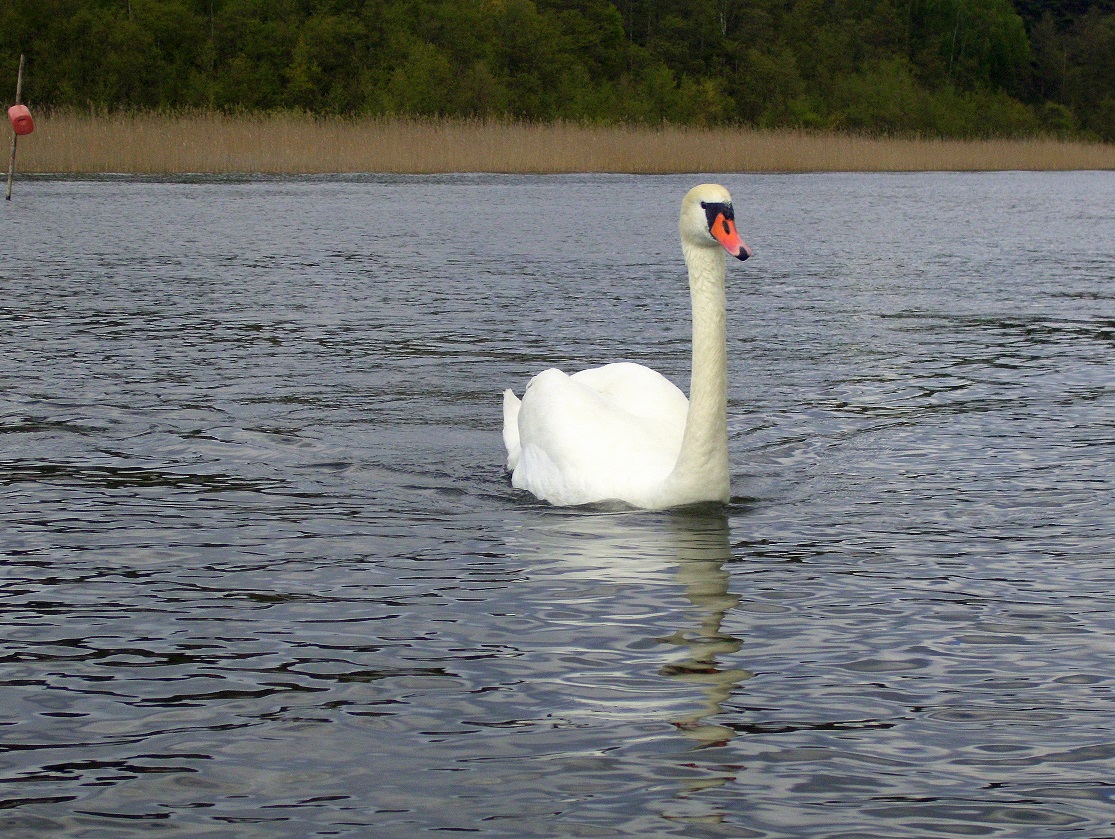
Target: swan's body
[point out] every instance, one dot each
(623, 432)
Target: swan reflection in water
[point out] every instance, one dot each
(651, 558)
(702, 549)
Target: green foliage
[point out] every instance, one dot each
(972, 42)
(934, 67)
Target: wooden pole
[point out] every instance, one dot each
(11, 160)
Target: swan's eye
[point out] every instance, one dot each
(714, 210)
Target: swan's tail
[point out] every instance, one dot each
(511, 405)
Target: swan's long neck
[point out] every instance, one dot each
(702, 465)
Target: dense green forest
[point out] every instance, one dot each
(935, 67)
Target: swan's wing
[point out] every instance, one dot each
(581, 443)
(637, 390)
(511, 405)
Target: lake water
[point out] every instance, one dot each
(263, 573)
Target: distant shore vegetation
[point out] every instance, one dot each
(210, 142)
(930, 68)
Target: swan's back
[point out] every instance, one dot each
(608, 433)
(638, 390)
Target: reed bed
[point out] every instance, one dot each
(72, 143)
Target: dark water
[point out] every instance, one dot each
(263, 574)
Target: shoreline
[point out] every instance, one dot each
(68, 143)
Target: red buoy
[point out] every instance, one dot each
(20, 119)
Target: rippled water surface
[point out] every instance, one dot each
(263, 573)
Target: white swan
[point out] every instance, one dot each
(623, 432)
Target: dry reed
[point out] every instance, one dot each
(300, 144)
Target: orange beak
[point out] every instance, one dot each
(724, 230)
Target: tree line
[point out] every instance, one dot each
(958, 68)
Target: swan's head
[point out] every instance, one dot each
(707, 220)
